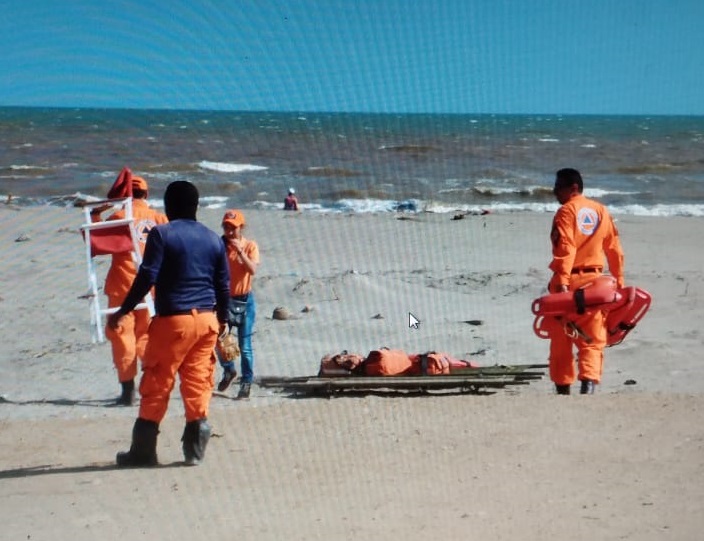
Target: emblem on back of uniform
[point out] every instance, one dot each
(142, 227)
(587, 220)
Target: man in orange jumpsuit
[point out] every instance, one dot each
(129, 342)
(582, 233)
(187, 265)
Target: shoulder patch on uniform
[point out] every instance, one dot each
(587, 220)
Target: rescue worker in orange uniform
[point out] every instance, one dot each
(128, 344)
(582, 233)
(187, 265)
(243, 259)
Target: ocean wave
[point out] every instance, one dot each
(28, 168)
(664, 211)
(224, 167)
(540, 192)
(412, 149)
(375, 205)
(330, 172)
(213, 202)
(372, 205)
(599, 192)
(387, 205)
(523, 191)
(649, 168)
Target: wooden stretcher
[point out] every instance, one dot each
(481, 380)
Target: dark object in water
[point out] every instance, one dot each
(407, 206)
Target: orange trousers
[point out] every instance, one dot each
(129, 341)
(590, 353)
(180, 344)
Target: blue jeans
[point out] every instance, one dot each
(244, 339)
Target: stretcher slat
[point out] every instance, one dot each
(396, 382)
(474, 379)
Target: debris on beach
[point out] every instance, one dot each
(280, 313)
(480, 212)
(23, 238)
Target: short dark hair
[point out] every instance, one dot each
(181, 200)
(568, 177)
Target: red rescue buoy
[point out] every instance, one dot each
(625, 307)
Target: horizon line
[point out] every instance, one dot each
(333, 112)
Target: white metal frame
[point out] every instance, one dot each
(98, 310)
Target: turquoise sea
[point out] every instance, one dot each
(641, 165)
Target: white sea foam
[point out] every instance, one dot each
(29, 168)
(380, 206)
(206, 202)
(213, 202)
(365, 205)
(224, 167)
(309, 207)
(497, 190)
(598, 192)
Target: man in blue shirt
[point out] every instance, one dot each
(186, 264)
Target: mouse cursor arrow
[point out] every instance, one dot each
(413, 321)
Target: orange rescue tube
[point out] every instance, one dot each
(622, 319)
(625, 307)
(597, 294)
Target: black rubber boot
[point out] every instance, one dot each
(127, 396)
(195, 439)
(245, 389)
(587, 387)
(563, 389)
(228, 375)
(142, 452)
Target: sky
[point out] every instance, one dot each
(385, 56)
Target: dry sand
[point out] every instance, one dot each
(627, 463)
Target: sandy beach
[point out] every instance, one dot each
(626, 463)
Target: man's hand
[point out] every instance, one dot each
(97, 210)
(237, 245)
(562, 288)
(114, 319)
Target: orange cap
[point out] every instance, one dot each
(138, 183)
(233, 217)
